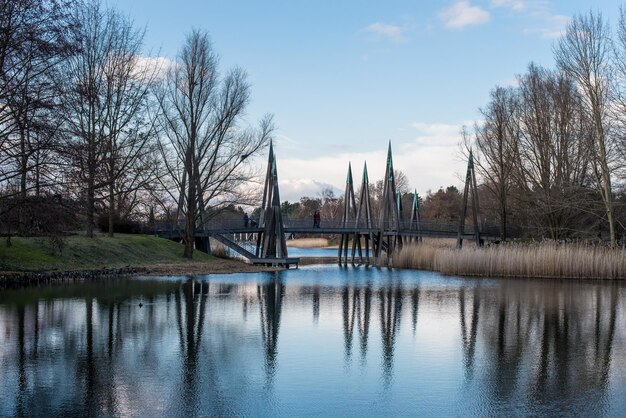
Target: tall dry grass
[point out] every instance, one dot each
(218, 249)
(308, 243)
(518, 260)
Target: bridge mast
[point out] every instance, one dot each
(470, 187)
(389, 218)
(365, 209)
(349, 216)
(271, 241)
(416, 222)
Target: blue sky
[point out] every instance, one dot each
(344, 77)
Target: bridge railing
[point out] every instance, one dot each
(426, 227)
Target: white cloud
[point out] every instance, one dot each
(549, 26)
(538, 14)
(160, 65)
(512, 4)
(461, 14)
(391, 32)
(429, 159)
(436, 134)
(295, 188)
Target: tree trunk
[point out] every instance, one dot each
(23, 169)
(111, 208)
(189, 235)
(90, 208)
(91, 174)
(606, 174)
(503, 221)
(190, 218)
(23, 163)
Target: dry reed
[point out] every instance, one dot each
(519, 260)
(219, 250)
(308, 243)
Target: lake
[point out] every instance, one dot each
(317, 341)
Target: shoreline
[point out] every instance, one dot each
(18, 279)
(512, 261)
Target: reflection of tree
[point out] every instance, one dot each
(415, 300)
(390, 312)
(190, 338)
(316, 304)
(90, 366)
(553, 340)
(270, 296)
(528, 344)
(604, 340)
(21, 374)
(469, 341)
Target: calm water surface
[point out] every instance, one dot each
(321, 341)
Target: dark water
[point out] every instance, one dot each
(320, 341)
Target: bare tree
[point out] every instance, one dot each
(331, 204)
(33, 40)
(553, 153)
(402, 188)
(620, 96)
(205, 148)
(35, 80)
(584, 53)
(129, 126)
(105, 104)
(497, 140)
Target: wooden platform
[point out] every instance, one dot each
(283, 262)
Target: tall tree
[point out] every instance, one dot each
(33, 40)
(129, 126)
(584, 53)
(553, 152)
(34, 81)
(497, 141)
(205, 146)
(104, 105)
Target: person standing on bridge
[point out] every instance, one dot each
(316, 219)
(246, 220)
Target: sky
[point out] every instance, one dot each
(343, 78)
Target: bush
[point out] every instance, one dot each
(120, 225)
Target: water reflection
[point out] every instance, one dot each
(469, 328)
(270, 296)
(284, 343)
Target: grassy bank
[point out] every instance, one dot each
(547, 260)
(81, 253)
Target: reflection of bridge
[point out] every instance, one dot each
(368, 236)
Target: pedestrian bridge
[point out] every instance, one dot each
(263, 240)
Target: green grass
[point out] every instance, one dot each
(38, 254)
